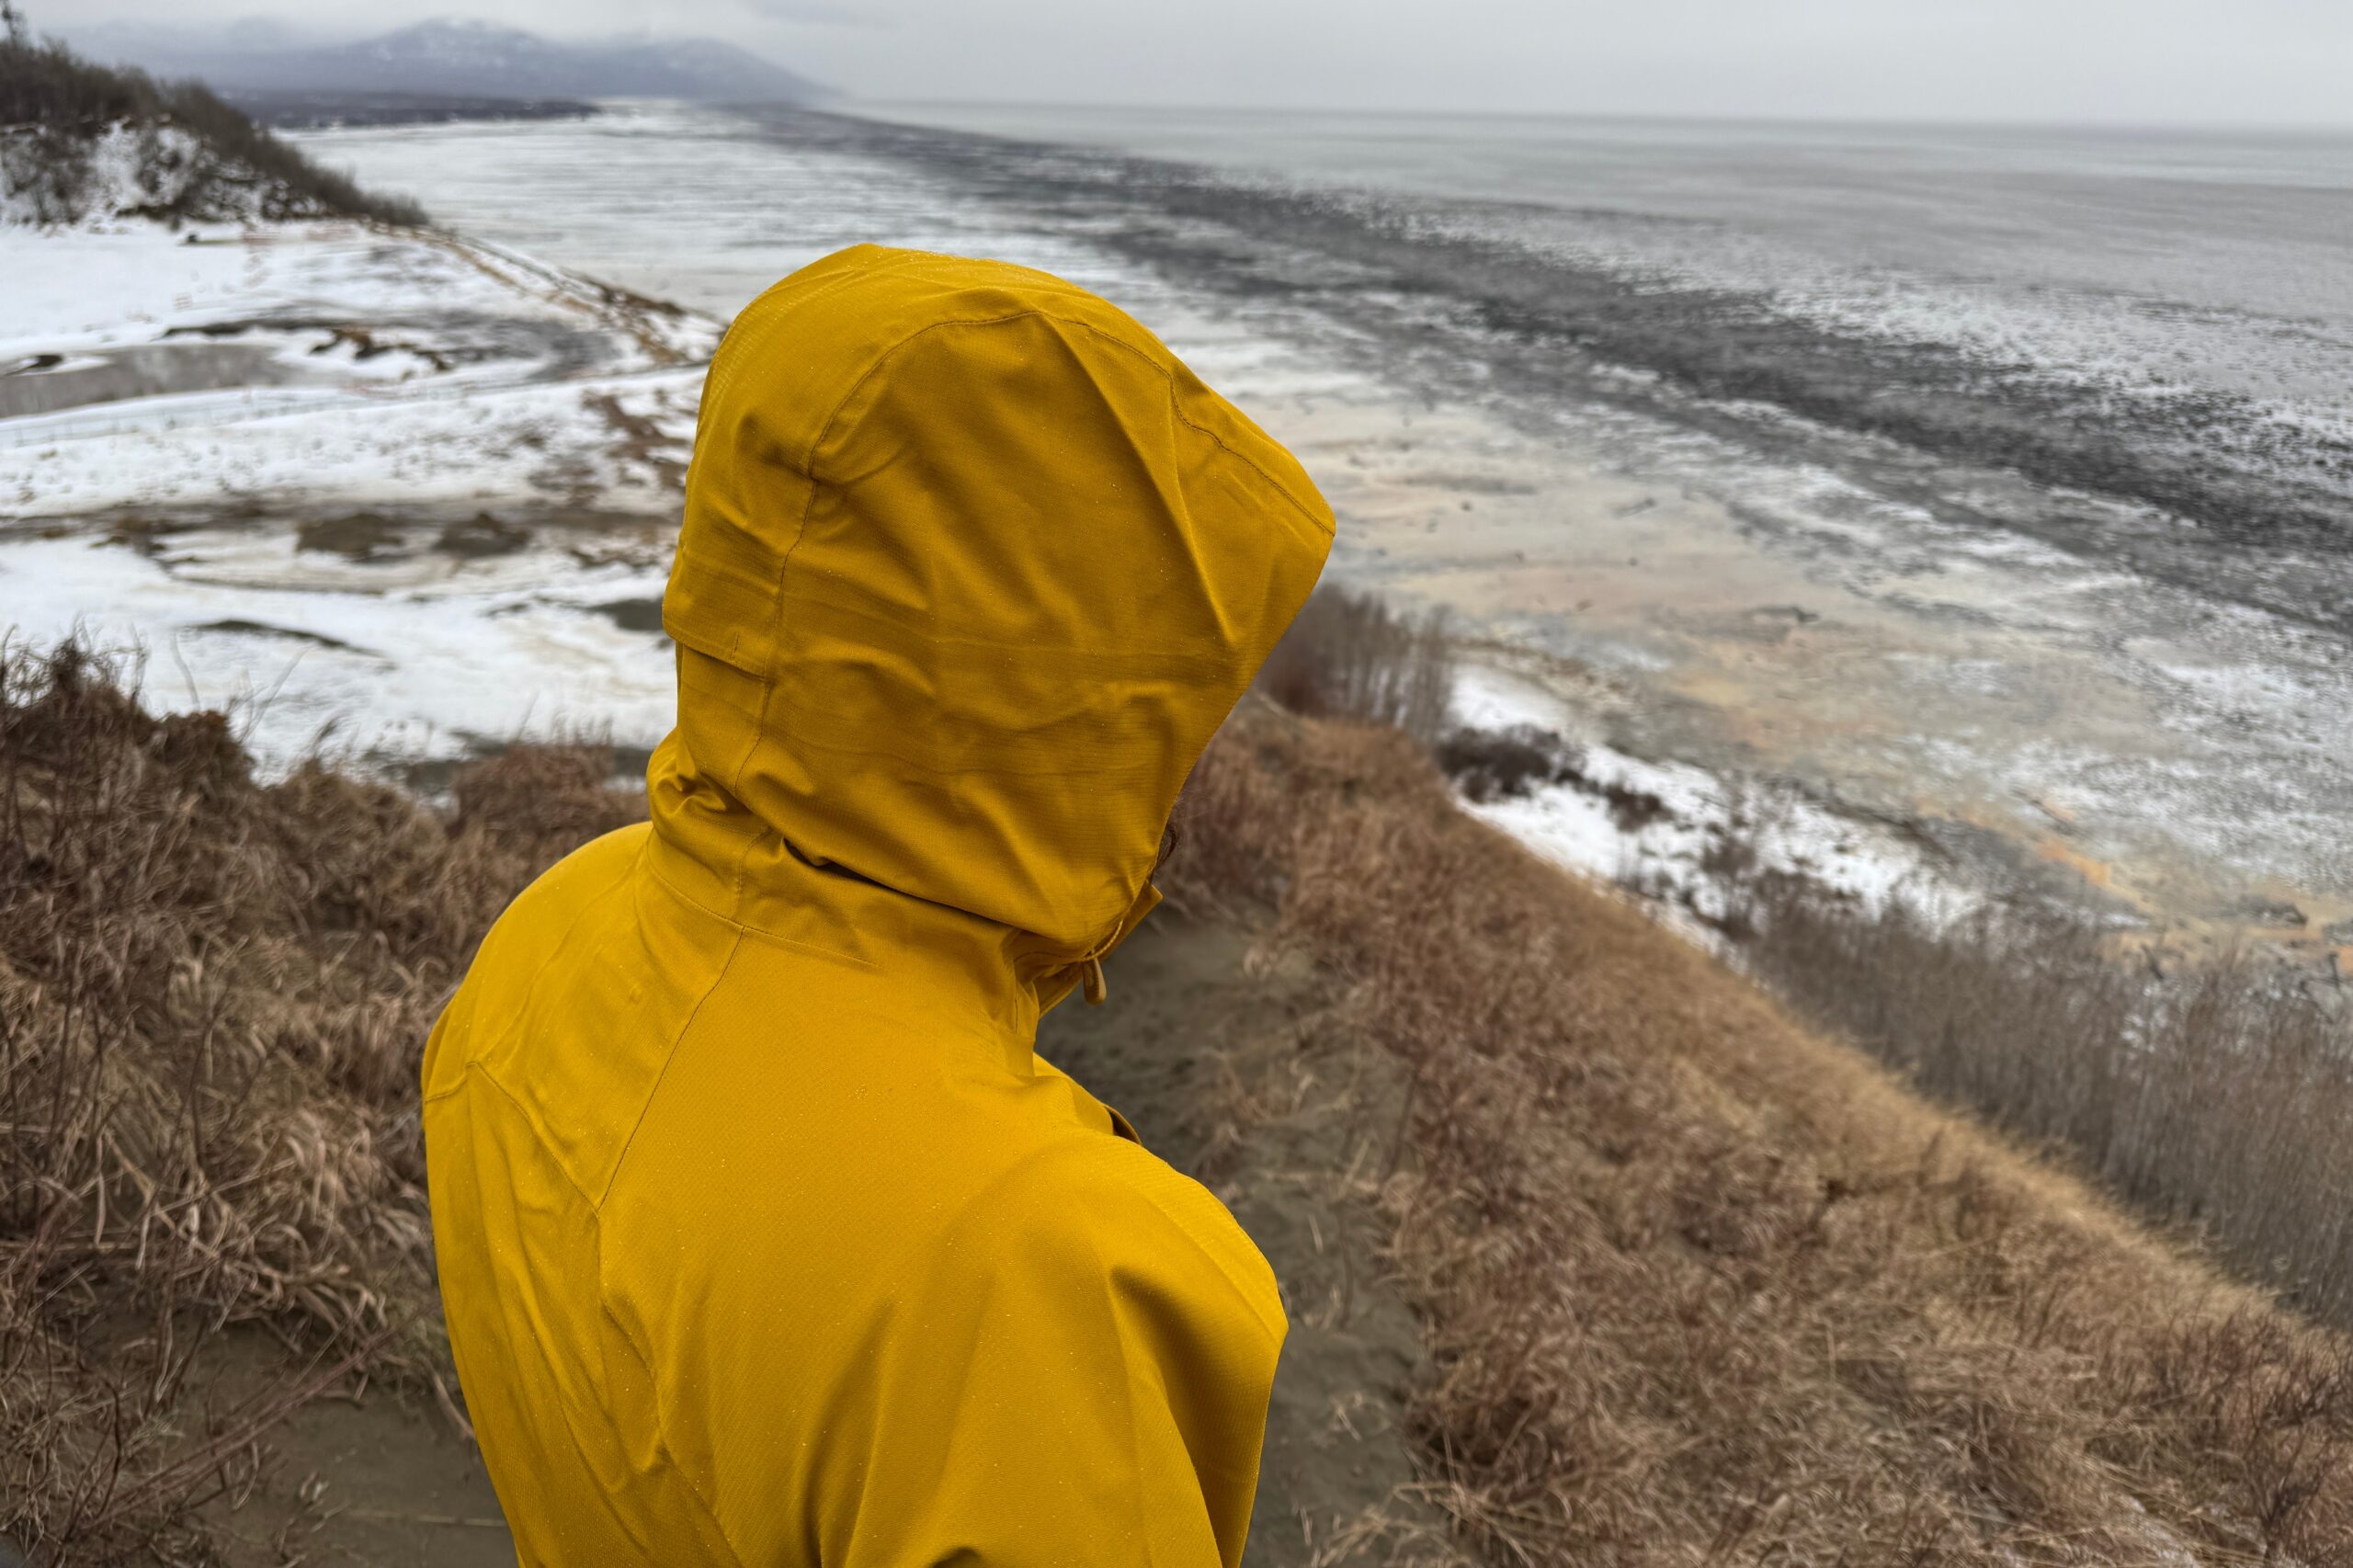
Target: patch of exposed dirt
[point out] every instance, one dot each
(379, 1480)
(640, 438)
(632, 615)
(356, 536)
(238, 625)
(482, 535)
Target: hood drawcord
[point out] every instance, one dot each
(1090, 968)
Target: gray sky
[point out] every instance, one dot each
(2140, 60)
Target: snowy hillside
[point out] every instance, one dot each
(83, 142)
(308, 363)
(437, 475)
(249, 414)
(130, 170)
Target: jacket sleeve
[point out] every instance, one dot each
(1083, 1379)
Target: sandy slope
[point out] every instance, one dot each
(1230, 1071)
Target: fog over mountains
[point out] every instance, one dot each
(454, 59)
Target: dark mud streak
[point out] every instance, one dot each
(238, 626)
(1520, 330)
(445, 339)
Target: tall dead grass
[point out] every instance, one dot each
(1354, 655)
(2218, 1097)
(1705, 1288)
(212, 993)
(1702, 1287)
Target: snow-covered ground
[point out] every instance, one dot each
(1680, 836)
(417, 652)
(323, 363)
(390, 493)
(421, 490)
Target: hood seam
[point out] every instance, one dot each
(1168, 380)
(808, 472)
(737, 923)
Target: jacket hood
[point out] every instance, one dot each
(972, 567)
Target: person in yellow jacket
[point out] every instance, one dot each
(764, 1236)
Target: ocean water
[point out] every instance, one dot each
(2156, 321)
(2155, 330)
(1992, 477)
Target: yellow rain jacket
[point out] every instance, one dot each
(765, 1238)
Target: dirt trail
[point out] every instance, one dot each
(380, 1481)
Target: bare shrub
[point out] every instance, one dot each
(213, 993)
(1703, 1288)
(1351, 656)
(1494, 764)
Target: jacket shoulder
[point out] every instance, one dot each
(1079, 1374)
(517, 950)
(1099, 1200)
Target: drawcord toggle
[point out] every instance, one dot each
(1090, 970)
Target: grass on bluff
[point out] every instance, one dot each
(1355, 656)
(2219, 1097)
(1702, 1286)
(213, 993)
(2214, 1095)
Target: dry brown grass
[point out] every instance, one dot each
(1703, 1287)
(213, 995)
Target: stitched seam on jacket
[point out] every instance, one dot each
(654, 1091)
(768, 676)
(605, 1310)
(800, 528)
(662, 1425)
(769, 326)
(538, 975)
(596, 1215)
(1177, 409)
(742, 925)
(882, 361)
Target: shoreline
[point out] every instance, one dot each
(328, 613)
(2049, 727)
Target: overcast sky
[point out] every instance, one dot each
(2255, 61)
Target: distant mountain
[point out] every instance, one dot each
(456, 59)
